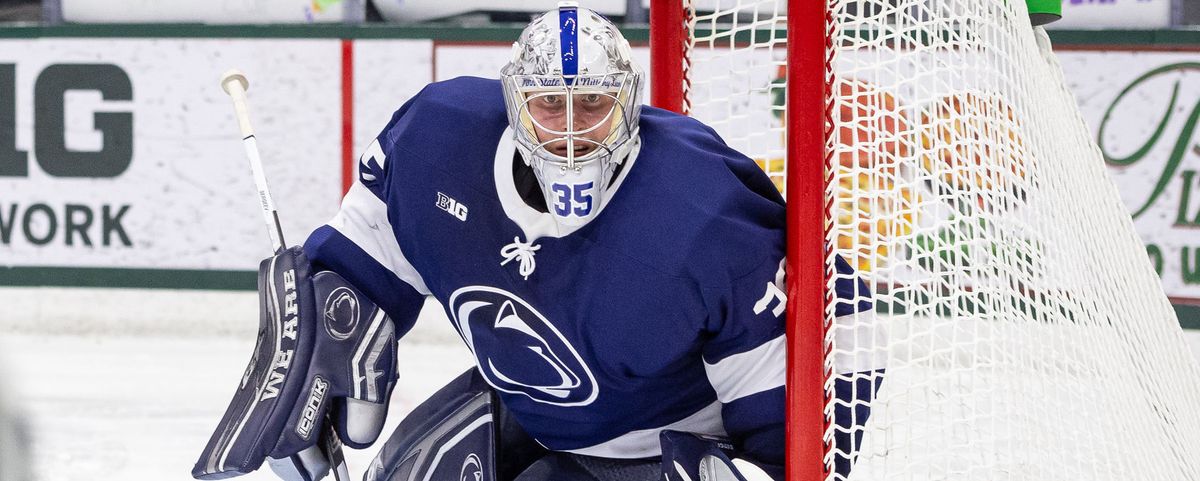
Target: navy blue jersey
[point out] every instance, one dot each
(663, 312)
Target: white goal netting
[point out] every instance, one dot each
(1024, 332)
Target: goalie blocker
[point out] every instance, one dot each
(325, 356)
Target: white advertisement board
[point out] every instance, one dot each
(206, 11)
(124, 153)
(432, 10)
(132, 158)
(1143, 108)
(1114, 14)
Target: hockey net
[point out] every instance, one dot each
(1024, 332)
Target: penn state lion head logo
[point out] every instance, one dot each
(472, 469)
(341, 313)
(518, 350)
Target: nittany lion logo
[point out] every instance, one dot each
(518, 350)
(472, 469)
(341, 313)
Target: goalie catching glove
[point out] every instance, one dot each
(325, 356)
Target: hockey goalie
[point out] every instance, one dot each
(616, 270)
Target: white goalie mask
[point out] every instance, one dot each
(573, 95)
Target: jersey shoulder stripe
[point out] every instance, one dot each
(751, 372)
(363, 220)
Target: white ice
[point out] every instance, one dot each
(114, 387)
(112, 406)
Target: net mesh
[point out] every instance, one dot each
(1022, 330)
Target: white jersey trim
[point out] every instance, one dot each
(363, 220)
(860, 337)
(644, 443)
(743, 374)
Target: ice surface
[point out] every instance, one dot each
(131, 408)
(105, 404)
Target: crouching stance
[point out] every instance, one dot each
(616, 270)
(323, 370)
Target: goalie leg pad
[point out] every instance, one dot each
(560, 466)
(321, 343)
(449, 436)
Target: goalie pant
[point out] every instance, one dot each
(463, 432)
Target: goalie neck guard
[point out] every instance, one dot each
(573, 95)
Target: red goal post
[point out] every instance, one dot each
(933, 145)
(670, 34)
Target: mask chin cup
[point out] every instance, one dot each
(573, 195)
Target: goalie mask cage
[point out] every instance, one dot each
(932, 144)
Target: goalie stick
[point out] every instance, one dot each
(234, 83)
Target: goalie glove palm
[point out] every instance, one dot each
(324, 351)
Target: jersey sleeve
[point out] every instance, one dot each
(360, 244)
(746, 361)
(859, 361)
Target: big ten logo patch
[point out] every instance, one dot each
(452, 206)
